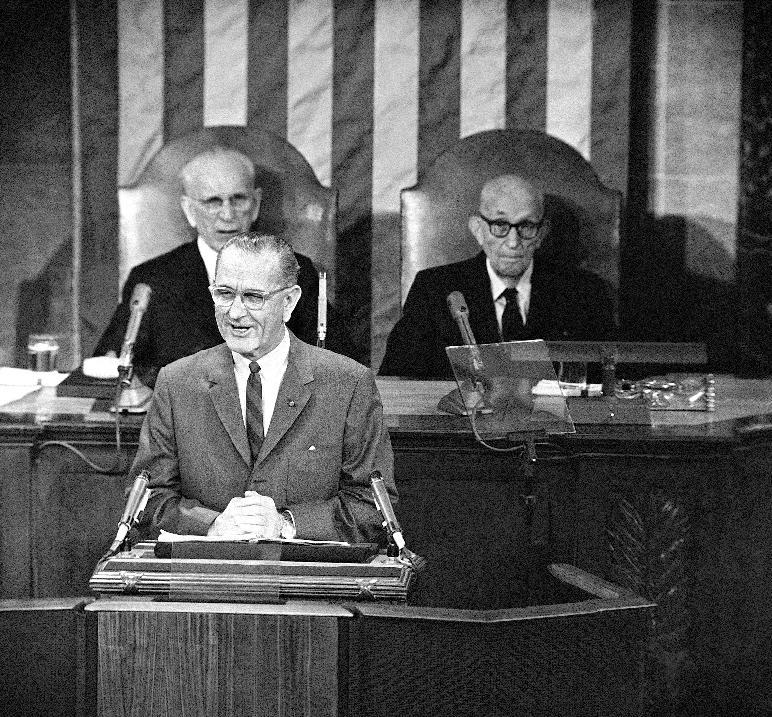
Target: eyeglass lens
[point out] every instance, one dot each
(525, 230)
(239, 202)
(224, 297)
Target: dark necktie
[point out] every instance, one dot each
(512, 328)
(254, 409)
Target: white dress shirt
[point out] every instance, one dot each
(272, 369)
(498, 286)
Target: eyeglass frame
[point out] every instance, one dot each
(264, 296)
(518, 227)
(213, 209)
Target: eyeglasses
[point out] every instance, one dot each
(526, 230)
(240, 202)
(224, 297)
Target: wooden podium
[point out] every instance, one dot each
(170, 659)
(140, 572)
(581, 653)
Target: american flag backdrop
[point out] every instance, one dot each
(369, 91)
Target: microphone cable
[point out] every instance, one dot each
(117, 468)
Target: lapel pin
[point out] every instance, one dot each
(290, 403)
(312, 448)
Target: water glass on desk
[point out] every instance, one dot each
(573, 374)
(42, 352)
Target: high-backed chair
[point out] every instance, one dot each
(585, 215)
(294, 204)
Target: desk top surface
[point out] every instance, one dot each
(743, 411)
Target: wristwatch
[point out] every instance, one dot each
(287, 531)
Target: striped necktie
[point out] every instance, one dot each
(254, 409)
(512, 327)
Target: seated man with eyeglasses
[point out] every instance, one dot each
(263, 436)
(512, 294)
(219, 200)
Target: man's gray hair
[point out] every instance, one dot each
(256, 244)
(198, 165)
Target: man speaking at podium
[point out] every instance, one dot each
(264, 435)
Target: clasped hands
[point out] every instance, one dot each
(253, 516)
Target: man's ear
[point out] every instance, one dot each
(187, 209)
(291, 299)
(258, 195)
(474, 227)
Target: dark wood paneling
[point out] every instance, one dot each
(42, 659)
(15, 533)
(75, 513)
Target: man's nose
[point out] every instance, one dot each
(227, 210)
(237, 308)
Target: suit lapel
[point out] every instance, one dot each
(224, 395)
(294, 392)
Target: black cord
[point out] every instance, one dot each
(116, 469)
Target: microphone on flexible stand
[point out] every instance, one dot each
(135, 504)
(454, 402)
(396, 547)
(460, 312)
(131, 394)
(321, 310)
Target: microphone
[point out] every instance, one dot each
(140, 298)
(383, 503)
(460, 312)
(321, 310)
(135, 504)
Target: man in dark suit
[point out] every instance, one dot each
(219, 201)
(264, 435)
(511, 294)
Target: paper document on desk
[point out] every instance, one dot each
(165, 537)
(9, 394)
(555, 388)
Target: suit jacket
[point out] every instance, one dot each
(180, 317)
(566, 304)
(325, 438)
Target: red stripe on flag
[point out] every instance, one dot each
(352, 160)
(97, 63)
(439, 81)
(267, 68)
(526, 64)
(184, 67)
(610, 113)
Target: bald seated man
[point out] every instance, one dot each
(551, 302)
(264, 436)
(219, 201)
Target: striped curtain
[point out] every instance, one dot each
(370, 92)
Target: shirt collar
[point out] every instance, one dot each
(274, 360)
(498, 285)
(209, 257)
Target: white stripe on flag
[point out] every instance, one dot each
(309, 82)
(140, 85)
(483, 65)
(569, 72)
(226, 25)
(395, 101)
(395, 152)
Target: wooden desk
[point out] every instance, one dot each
(125, 656)
(461, 508)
